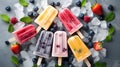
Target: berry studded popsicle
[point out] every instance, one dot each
(45, 19)
(43, 46)
(70, 22)
(60, 46)
(24, 34)
(79, 49)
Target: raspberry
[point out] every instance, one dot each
(13, 20)
(87, 19)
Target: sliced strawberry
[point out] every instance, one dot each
(15, 48)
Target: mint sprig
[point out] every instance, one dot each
(83, 2)
(14, 60)
(100, 64)
(110, 16)
(10, 28)
(24, 3)
(26, 19)
(5, 18)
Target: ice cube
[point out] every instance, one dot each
(103, 24)
(33, 40)
(90, 13)
(95, 21)
(75, 11)
(103, 52)
(19, 14)
(51, 63)
(66, 3)
(44, 3)
(101, 35)
(88, 5)
(19, 25)
(97, 58)
(83, 10)
(25, 55)
(28, 63)
(30, 7)
(18, 6)
(59, 24)
(76, 63)
(94, 52)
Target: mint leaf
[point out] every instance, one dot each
(14, 60)
(83, 2)
(23, 3)
(10, 28)
(111, 30)
(100, 64)
(108, 38)
(110, 16)
(35, 65)
(5, 18)
(26, 19)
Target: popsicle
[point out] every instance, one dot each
(24, 34)
(70, 22)
(43, 46)
(60, 46)
(79, 49)
(45, 19)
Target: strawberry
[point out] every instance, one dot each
(15, 48)
(86, 19)
(97, 9)
(98, 46)
(13, 20)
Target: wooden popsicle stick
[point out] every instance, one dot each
(38, 29)
(39, 61)
(59, 61)
(12, 39)
(80, 34)
(87, 62)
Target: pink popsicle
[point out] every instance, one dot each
(24, 34)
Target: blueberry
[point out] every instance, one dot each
(91, 33)
(90, 38)
(110, 7)
(70, 65)
(30, 14)
(20, 61)
(109, 25)
(35, 14)
(58, 4)
(8, 8)
(52, 4)
(78, 3)
(54, 26)
(85, 27)
(35, 8)
(90, 45)
(52, 29)
(32, 1)
(7, 42)
(81, 16)
(44, 65)
(101, 17)
(34, 60)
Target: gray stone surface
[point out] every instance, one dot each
(113, 48)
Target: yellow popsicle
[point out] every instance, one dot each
(78, 48)
(46, 18)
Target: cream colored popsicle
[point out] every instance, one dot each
(60, 46)
(79, 49)
(45, 19)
